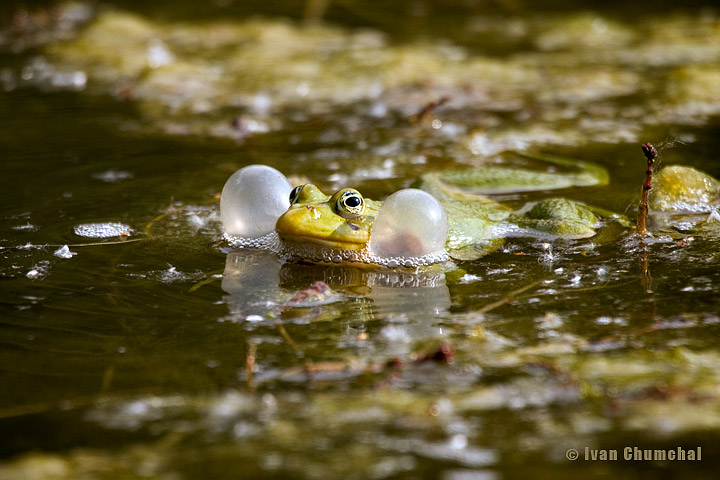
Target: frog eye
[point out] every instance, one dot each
(350, 203)
(295, 193)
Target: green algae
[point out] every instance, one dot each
(176, 72)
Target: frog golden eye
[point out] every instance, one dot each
(294, 193)
(350, 203)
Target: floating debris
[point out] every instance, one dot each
(64, 252)
(318, 294)
(25, 228)
(34, 273)
(172, 274)
(39, 270)
(469, 278)
(112, 176)
(103, 230)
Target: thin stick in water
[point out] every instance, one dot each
(650, 154)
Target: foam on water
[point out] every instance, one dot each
(294, 251)
(102, 230)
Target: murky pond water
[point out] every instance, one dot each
(147, 348)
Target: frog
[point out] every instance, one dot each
(444, 216)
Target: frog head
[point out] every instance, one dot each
(340, 221)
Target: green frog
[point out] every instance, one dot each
(447, 215)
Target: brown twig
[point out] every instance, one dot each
(650, 154)
(508, 298)
(250, 358)
(426, 112)
(169, 210)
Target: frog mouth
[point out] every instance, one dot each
(313, 225)
(321, 242)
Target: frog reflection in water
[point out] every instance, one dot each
(446, 215)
